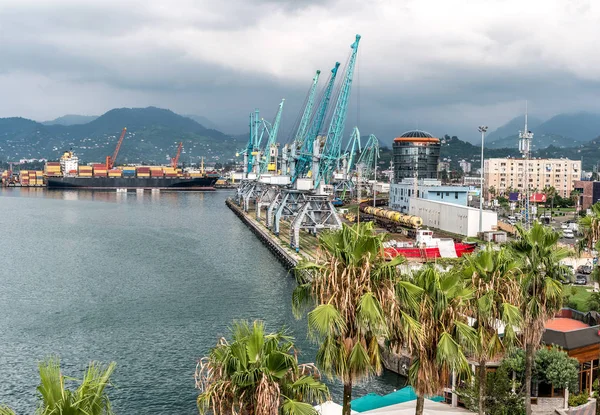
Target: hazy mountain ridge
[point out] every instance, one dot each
(152, 135)
(561, 131)
(71, 119)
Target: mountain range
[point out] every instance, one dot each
(152, 136)
(154, 133)
(561, 131)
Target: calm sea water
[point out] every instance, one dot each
(149, 281)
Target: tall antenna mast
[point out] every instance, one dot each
(525, 138)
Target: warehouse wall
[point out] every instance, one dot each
(452, 218)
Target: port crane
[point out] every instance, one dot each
(330, 153)
(175, 160)
(110, 161)
(303, 163)
(270, 146)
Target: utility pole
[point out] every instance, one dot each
(375, 180)
(482, 129)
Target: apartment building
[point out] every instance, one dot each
(509, 173)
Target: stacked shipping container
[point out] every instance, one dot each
(143, 171)
(100, 170)
(85, 171)
(53, 168)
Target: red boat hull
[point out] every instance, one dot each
(428, 253)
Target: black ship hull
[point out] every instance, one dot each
(170, 183)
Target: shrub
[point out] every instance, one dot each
(576, 400)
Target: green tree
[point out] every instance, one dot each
(89, 398)
(507, 398)
(491, 275)
(257, 374)
(445, 334)
(541, 275)
(555, 367)
(355, 298)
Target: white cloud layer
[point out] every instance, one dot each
(443, 64)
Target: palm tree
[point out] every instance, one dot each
(89, 398)
(550, 193)
(257, 374)
(355, 298)
(496, 299)
(445, 335)
(589, 226)
(575, 194)
(541, 275)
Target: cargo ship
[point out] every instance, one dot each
(68, 174)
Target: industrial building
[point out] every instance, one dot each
(450, 217)
(509, 173)
(430, 189)
(416, 154)
(589, 192)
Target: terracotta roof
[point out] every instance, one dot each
(565, 324)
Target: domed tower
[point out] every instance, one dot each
(416, 154)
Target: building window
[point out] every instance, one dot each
(447, 193)
(456, 195)
(437, 193)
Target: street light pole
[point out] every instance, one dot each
(482, 129)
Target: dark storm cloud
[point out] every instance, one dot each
(432, 63)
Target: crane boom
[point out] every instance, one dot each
(331, 149)
(272, 133)
(301, 133)
(110, 161)
(175, 161)
(306, 151)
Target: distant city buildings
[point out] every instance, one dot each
(465, 166)
(508, 174)
(589, 192)
(443, 166)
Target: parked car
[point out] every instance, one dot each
(580, 279)
(567, 274)
(584, 269)
(568, 233)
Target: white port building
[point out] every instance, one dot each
(453, 218)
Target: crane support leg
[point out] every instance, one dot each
(316, 213)
(291, 201)
(265, 198)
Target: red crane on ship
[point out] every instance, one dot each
(110, 161)
(175, 161)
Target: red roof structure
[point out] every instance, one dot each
(565, 324)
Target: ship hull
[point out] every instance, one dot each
(170, 183)
(428, 253)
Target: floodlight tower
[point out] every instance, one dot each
(525, 138)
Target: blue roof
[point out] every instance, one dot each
(374, 401)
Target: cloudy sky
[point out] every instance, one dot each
(440, 65)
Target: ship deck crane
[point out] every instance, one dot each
(175, 160)
(110, 161)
